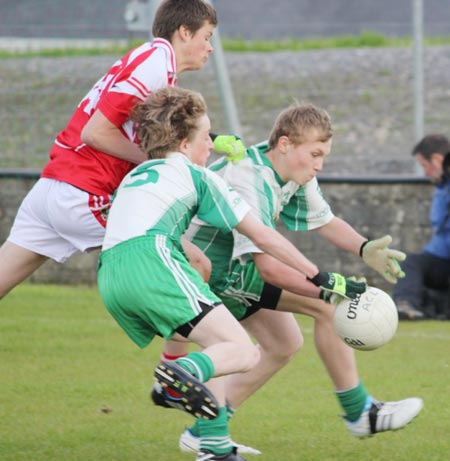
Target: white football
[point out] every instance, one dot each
(367, 322)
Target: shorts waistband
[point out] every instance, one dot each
(141, 242)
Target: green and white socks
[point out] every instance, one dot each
(197, 364)
(353, 401)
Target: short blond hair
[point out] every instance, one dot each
(299, 122)
(165, 118)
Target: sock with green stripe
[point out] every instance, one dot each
(214, 434)
(197, 364)
(195, 429)
(352, 401)
(230, 410)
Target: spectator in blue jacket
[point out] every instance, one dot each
(424, 292)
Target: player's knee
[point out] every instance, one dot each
(294, 345)
(250, 356)
(205, 269)
(202, 265)
(287, 349)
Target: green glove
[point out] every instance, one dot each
(333, 284)
(377, 255)
(333, 298)
(230, 145)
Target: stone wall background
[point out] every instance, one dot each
(398, 207)
(368, 93)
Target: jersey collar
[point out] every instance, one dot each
(170, 53)
(258, 152)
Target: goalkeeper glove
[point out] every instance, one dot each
(230, 145)
(333, 298)
(335, 286)
(377, 255)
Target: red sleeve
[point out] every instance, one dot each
(116, 107)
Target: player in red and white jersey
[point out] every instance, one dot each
(65, 211)
(131, 79)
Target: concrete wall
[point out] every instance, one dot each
(374, 206)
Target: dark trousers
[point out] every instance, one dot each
(427, 277)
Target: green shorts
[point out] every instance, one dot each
(244, 292)
(148, 286)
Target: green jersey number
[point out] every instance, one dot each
(151, 175)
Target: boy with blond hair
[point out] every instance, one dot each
(145, 279)
(278, 179)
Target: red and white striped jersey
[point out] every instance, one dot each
(131, 79)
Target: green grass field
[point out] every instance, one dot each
(366, 39)
(73, 387)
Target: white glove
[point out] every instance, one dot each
(377, 255)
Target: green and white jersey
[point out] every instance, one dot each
(162, 196)
(301, 208)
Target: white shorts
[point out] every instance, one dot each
(56, 220)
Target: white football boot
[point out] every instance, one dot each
(190, 443)
(384, 416)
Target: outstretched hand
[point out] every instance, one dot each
(377, 255)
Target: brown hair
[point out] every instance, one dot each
(165, 118)
(298, 122)
(173, 14)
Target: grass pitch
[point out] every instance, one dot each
(73, 387)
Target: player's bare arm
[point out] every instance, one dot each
(375, 253)
(103, 135)
(341, 234)
(271, 241)
(275, 244)
(280, 275)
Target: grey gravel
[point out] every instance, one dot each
(368, 92)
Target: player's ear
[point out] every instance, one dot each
(184, 146)
(184, 33)
(283, 144)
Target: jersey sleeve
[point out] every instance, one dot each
(133, 84)
(250, 183)
(218, 204)
(307, 209)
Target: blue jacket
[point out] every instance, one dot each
(439, 244)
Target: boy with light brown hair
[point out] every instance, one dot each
(278, 179)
